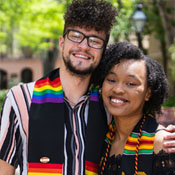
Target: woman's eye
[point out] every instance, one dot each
(111, 80)
(131, 84)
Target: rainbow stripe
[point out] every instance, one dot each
(146, 144)
(47, 91)
(91, 168)
(94, 93)
(45, 169)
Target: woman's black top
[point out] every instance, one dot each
(163, 164)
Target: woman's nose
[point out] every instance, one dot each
(118, 89)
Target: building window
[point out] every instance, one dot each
(26, 75)
(3, 79)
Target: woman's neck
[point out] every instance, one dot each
(124, 126)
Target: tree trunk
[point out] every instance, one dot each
(169, 28)
(166, 18)
(50, 57)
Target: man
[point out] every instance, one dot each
(66, 126)
(57, 125)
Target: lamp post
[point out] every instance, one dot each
(139, 19)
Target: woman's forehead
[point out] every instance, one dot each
(130, 66)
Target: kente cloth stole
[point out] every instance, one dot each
(146, 148)
(46, 129)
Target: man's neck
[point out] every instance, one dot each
(74, 86)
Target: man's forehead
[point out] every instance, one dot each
(88, 30)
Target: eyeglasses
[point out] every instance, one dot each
(93, 41)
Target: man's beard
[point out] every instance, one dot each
(72, 69)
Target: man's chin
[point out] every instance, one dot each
(80, 71)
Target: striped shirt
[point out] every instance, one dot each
(14, 130)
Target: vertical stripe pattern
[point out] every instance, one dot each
(75, 142)
(14, 126)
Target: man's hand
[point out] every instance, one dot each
(169, 139)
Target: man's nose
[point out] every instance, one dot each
(84, 44)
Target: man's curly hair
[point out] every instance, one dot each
(96, 14)
(156, 78)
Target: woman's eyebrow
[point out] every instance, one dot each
(111, 72)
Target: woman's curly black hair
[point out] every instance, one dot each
(156, 78)
(158, 82)
(96, 14)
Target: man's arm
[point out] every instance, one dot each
(6, 169)
(169, 139)
(8, 123)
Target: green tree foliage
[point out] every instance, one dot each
(161, 22)
(123, 27)
(10, 13)
(2, 97)
(31, 22)
(172, 51)
(43, 20)
(32, 27)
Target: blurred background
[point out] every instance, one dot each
(29, 32)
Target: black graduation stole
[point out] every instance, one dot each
(145, 149)
(46, 128)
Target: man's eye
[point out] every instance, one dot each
(75, 36)
(95, 41)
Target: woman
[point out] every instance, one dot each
(133, 91)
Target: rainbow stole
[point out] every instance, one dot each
(48, 93)
(146, 148)
(57, 169)
(45, 169)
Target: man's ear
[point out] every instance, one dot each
(61, 43)
(148, 94)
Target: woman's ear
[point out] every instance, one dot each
(148, 94)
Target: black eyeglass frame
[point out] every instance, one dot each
(85, 36)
